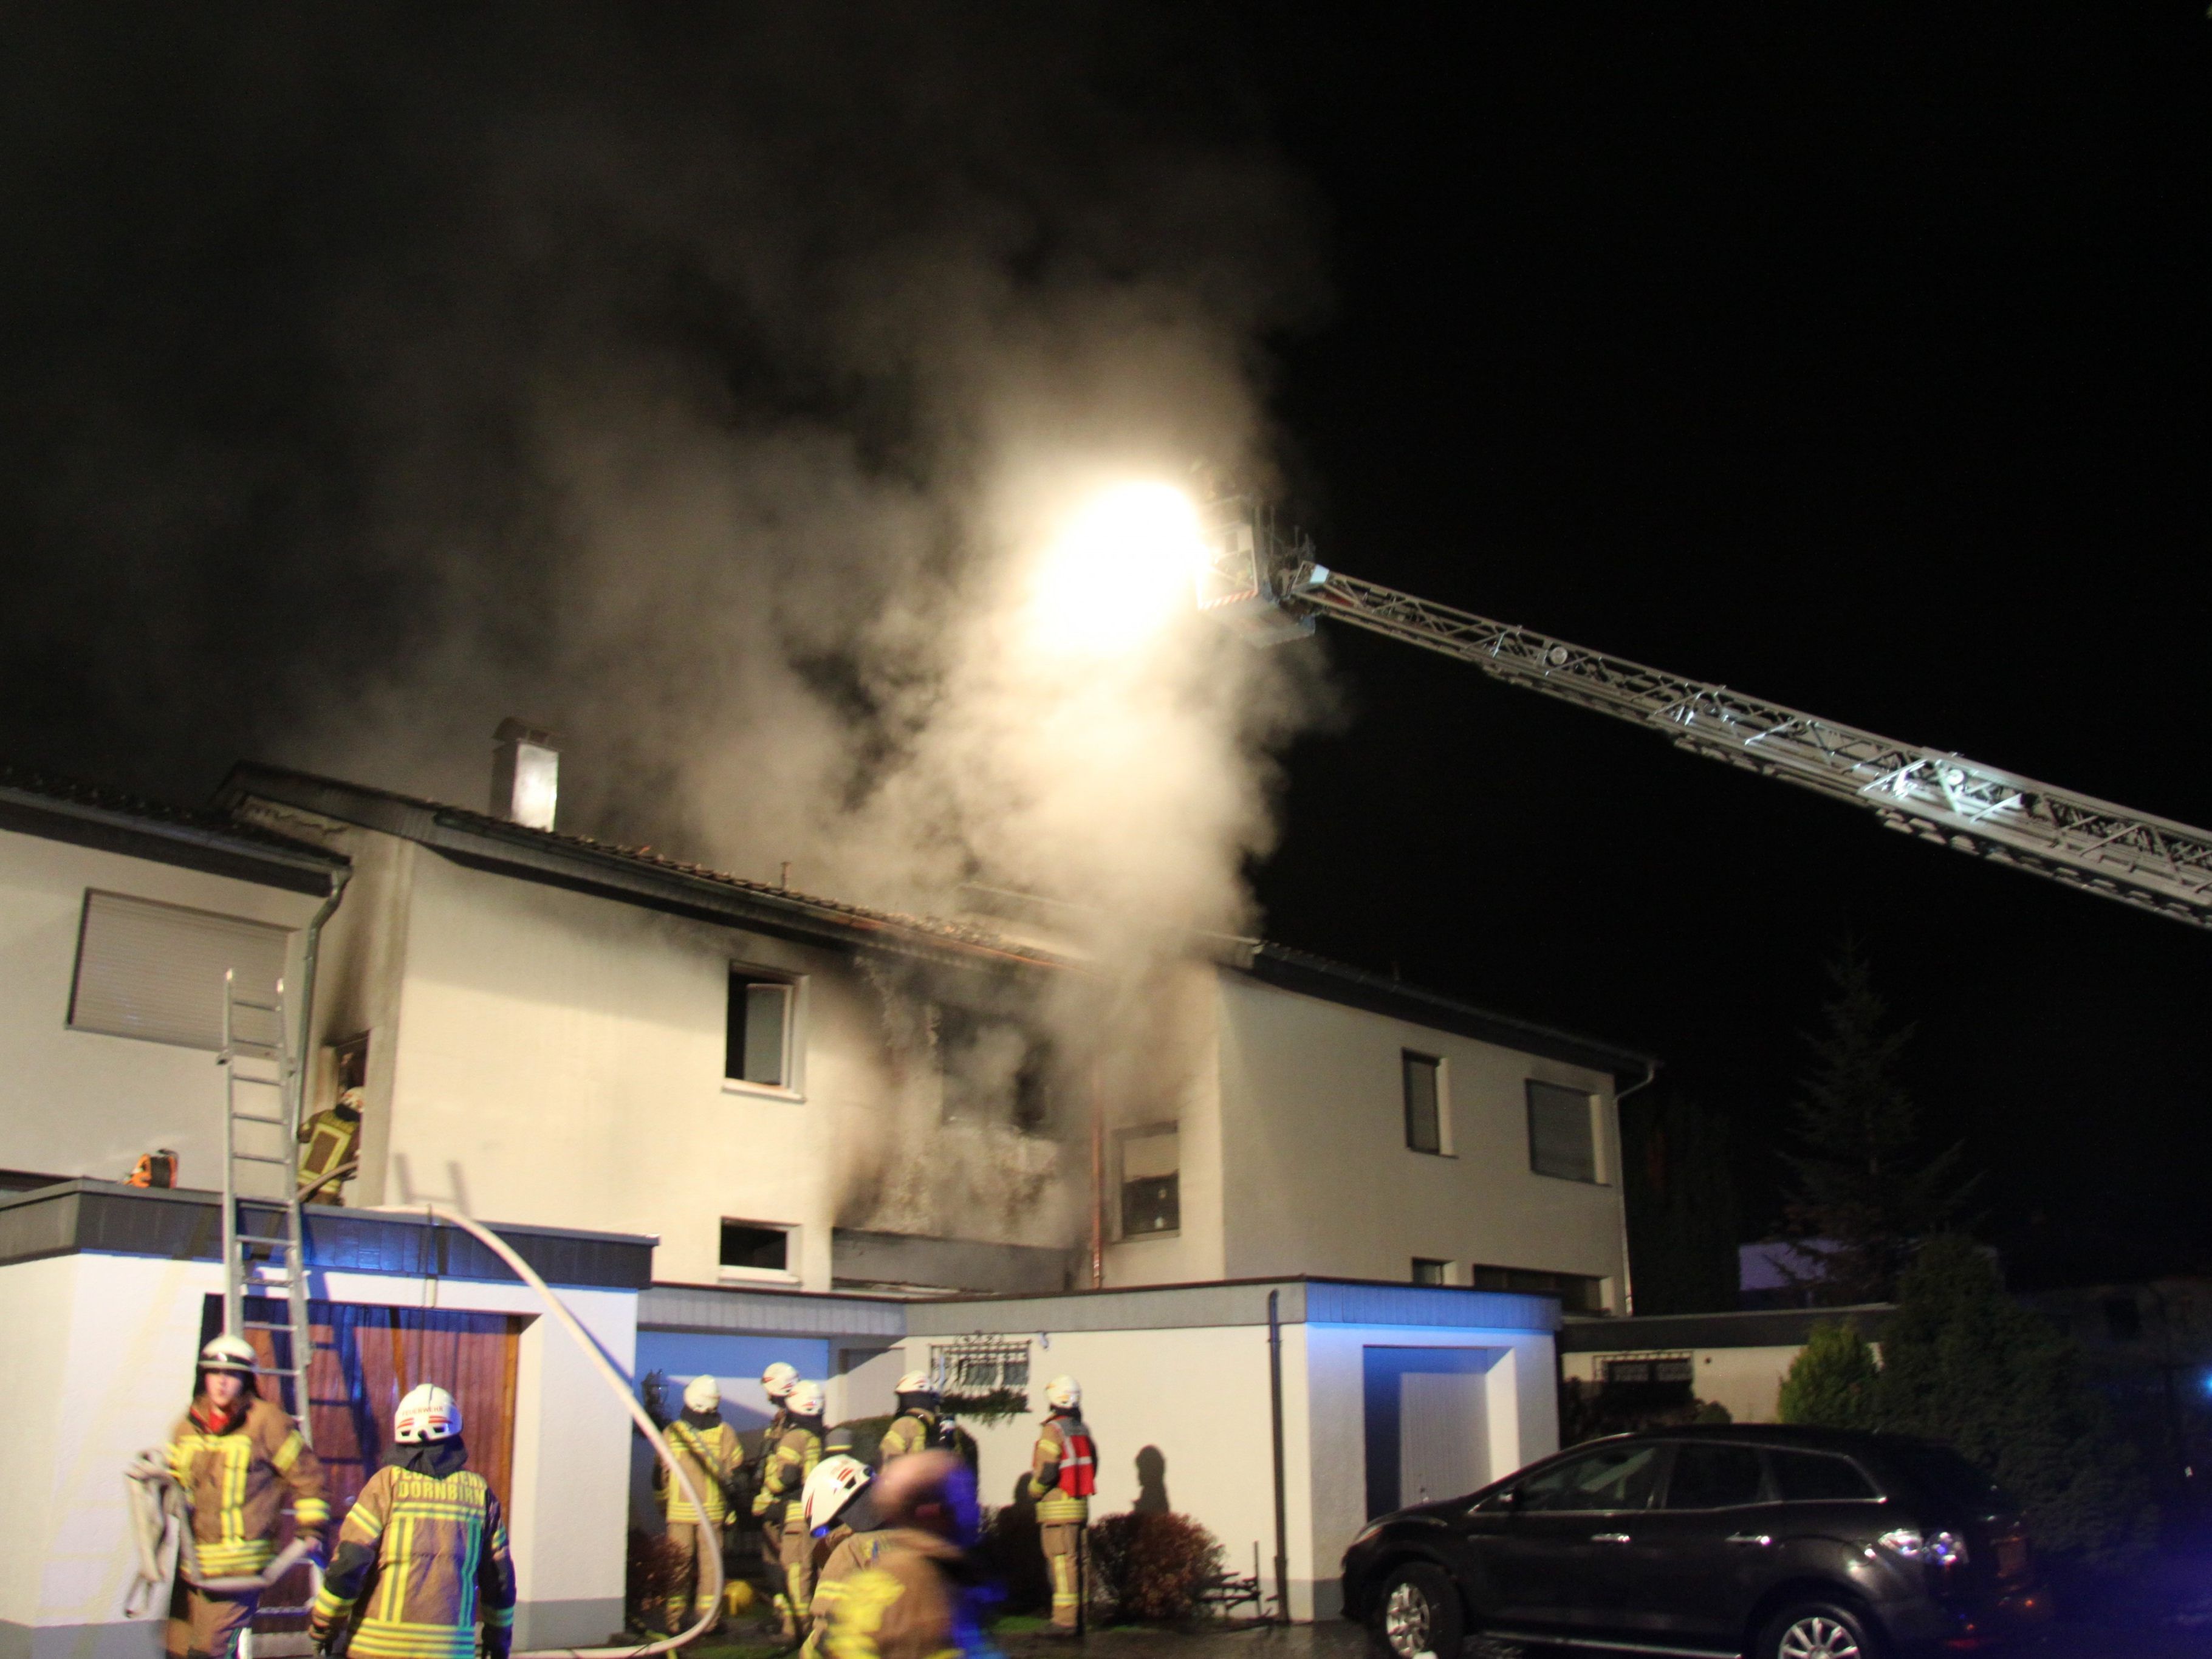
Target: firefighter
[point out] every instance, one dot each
(235, 1455)
(917, 1425)
(797, 1451)
(919, 1599)
(1062, 1476)
(332, 1139)
(426, 1541)
(841, 1520)
(707, 1449)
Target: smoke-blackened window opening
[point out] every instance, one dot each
(1150, 1160)
(760, 1038)
(983, 1377)
(1577, 1292)
(1423, 1076)
(993, 1070)
(755, 1247)
(1562, 1131)
(1427, 1270)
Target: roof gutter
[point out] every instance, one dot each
(1627, 1267)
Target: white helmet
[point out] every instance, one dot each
(835, 1482)
(228, 1353)
(805, 1400)
(702, 1393)
(1063, 1394)
(915, 1382)
(426, 1413)
(778, 1380)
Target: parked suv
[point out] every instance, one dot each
(1783, 1543)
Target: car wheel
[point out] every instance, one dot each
(1417, 1616)
(1817, 1630)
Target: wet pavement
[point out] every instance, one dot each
(1335, 1639)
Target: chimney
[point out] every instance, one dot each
(525, 774)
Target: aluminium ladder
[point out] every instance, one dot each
(261, 1185)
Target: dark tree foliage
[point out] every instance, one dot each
(1682, 1212)
(1863, 1189)
(1965, 1363)
(1832, 1384)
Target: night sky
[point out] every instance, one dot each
(1855, 356)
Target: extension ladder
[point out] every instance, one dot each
(264, 1237)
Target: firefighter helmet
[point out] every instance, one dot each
(1063, 1394)
(914, 1383)
(835, 1482)
(778, 1380)
(428, 1413)
(805, 1400)
(702, 1393)
(228, 1353)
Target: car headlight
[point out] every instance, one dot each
(1944, 1549)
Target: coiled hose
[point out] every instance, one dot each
(161, 1526)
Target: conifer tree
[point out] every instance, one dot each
(1965, 1363)
(1862, 1190)
(1831, 1383)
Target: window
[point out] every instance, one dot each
(1577, 1292)
(1711, 1477)
(1427, 1272)
(1618, 1477)
(1801, 1477)
(1151, 1180)
(1671, 1368)
(1424, 1121)
(155, 971)
(755, 1247)
(982, 1376)
(993, 1070)
(758, 1044)
(1560, 1139)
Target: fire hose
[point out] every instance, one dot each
(158, 1501)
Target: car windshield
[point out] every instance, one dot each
(1951, 1477)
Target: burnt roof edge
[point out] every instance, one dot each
(260, 858)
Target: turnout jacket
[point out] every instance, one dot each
(1048, 1462)
(236, 1471)
(796, 1455)
(427, 1556)
(710, 1454)
(911, 1602)
(910, 1432)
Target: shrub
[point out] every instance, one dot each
(1832, 1383)
(649, 1578)
(1590, 1411)
(1149, 1567)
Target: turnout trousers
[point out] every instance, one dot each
(687, 1596)
(200, 1623)
(1062, 1539)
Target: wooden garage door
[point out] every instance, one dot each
(366, 1359)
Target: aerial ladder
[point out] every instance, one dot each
(1267, 586)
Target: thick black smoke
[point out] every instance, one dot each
(680, 378)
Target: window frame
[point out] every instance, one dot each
(1443, 1270)
(1121, 1140)
(1597, 1177)
(1407, 1058)
(793, 1086)
(727, 1273)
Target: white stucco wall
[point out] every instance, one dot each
(99, 1351)
(77, 1102)
(1318, 1177)
(1186, 1045)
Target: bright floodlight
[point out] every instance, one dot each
(1119, 569)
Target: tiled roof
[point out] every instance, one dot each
(73, 798)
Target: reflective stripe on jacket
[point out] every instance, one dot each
(1054, 1505)
(796, 1455)
(438, 1550)
(906, 1606)
(236, 1482)
(710, 1457)
(910, 1433)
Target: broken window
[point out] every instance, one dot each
(755, 1247)
(155, 971)
(994, 1070)
(1151, 1180)
(1562, 1139)
(1424, 1120)
(757, 1042)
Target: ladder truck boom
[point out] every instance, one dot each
(1271, 588)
